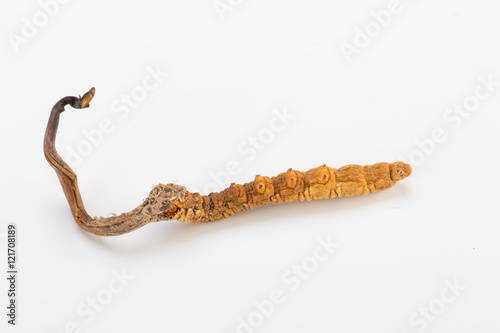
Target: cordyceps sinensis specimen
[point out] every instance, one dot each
(174, 202)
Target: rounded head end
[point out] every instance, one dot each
(400, 170)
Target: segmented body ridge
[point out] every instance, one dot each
(315, 184)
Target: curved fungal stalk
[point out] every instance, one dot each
(174, 202)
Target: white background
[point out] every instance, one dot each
(228, 72)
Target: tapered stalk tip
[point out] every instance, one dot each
(87, 97)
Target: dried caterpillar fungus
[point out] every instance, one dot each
(174, 202)
(315, 184)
